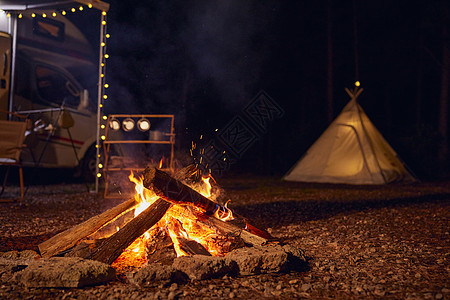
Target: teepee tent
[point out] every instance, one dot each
(350, 151)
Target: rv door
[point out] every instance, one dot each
(5, 63)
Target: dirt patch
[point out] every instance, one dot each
(369, 241)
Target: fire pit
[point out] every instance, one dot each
(173, 231)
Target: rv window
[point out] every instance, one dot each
(22, 79)
(48, 28)
(55, 87)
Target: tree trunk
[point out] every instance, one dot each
(443, 103)
(329, 62)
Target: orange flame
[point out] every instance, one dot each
(226, 215)
(143, 196)
(179, 221)
(206, 190)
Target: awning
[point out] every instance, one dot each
(50, 4)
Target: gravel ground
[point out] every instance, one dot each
(362, 242)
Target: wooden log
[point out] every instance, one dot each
(113, 246)
(192, 247)
(228, 228)
(69, 238)
(159, 247)
(176, 192)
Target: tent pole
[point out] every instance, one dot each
(371, 146)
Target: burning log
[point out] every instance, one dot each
(175, 192)
(159, 247)
(69, 238)
(192, 247)
(232, 230)
(113, 246)
(192, 225)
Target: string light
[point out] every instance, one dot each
(103, 57)
(62, 12)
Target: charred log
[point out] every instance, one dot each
(113, 246)
(176, 192)
(159, 248)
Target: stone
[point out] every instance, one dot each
(65, 272)
(267, 259)
(199, 267)
(305, 287)
(156, 274)
(12, 262)
(23, 255)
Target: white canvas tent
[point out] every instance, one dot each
(350, 151)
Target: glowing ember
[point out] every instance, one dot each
(180, 222)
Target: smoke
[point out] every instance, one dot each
(165, 53)
(228, 42)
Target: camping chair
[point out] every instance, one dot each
(12, 136)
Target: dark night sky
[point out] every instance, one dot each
(204, 61)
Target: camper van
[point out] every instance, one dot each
(49, 73)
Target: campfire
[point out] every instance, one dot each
(170, 216)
